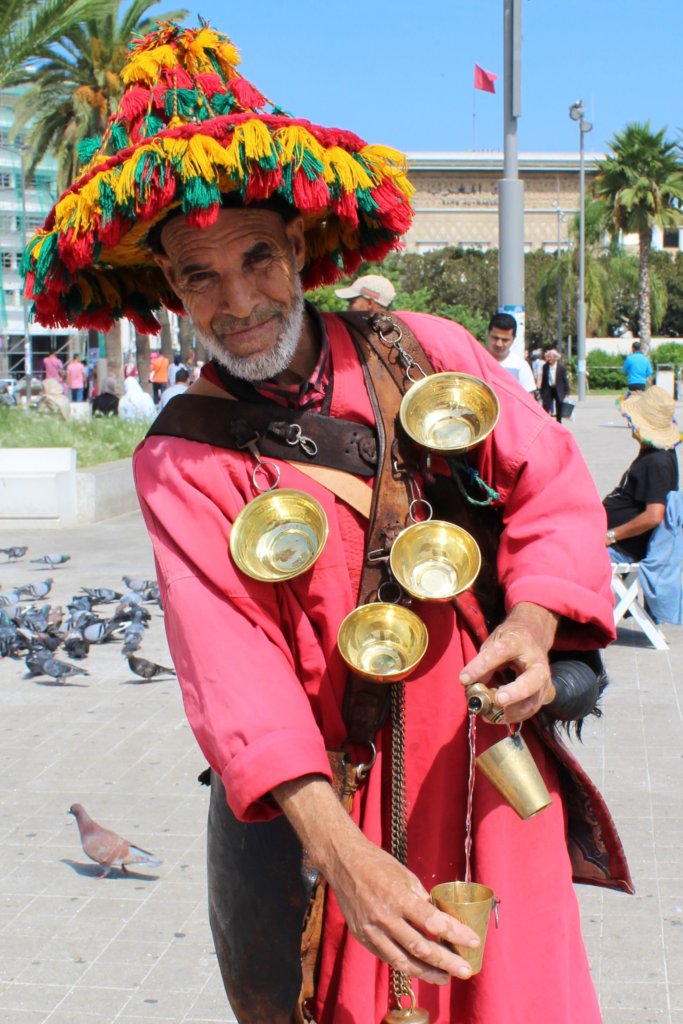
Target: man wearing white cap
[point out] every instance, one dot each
(369, 294)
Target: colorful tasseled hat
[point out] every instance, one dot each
(188, 130)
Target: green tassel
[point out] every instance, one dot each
(88, 147)
(199, 194)
(48, 256)
(222, 103)
(152, 125)
(180, 101)
(118, 136)
(107, 202)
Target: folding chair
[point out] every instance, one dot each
(628, 597)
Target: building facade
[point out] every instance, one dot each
(456, 201)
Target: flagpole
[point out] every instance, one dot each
(474, 119)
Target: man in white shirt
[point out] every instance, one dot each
(502, 331)
(182, 380)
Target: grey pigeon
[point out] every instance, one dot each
(35, 661)
(61, 669)
(10, 597)
(36, 590)
(101, 595)
(148, 669)
(51, 560)
(106, 847)
(137, 583)
(14, 553)
(75, 645)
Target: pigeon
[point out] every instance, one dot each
(99, 631)
(106, 847)
(35, 661)
(36, 590)
(10, 597)
(75, 645)
(148, 669)
(101, 595)
(14, 553)
(136, 583)
(60, 669)
(51, 560)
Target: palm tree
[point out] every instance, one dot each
(641, 182)
(77, 84)
(28, 26)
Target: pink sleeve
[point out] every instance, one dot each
(552, 549)
(243, 698)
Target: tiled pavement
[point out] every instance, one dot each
(136, 949)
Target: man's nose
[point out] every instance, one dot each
(239, 297)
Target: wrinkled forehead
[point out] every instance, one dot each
(234, 231)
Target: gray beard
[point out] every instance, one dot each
(264, 365)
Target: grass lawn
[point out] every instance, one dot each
(101, 439)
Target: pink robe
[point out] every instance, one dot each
(263, 684)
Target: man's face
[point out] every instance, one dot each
(239, 281)
(500, 342)
(361, 304)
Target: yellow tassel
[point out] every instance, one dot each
(294, 141)
(64, 211)
(389, 163)
(256, 139)
(144, 66)
(205, 157)
(341, 167)
(175, 149)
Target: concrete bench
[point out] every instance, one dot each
(41, 487)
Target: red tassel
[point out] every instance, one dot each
(110, 233)
(177, 78)
(203, 217)
(346, 209)
(262, 183)
(29, 283)
(310, 195)
(158, 196)
(134, 102)
(246, 95)
(76, 252)
(351, 259)
(395, 210)
(210, 83)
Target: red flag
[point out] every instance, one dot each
(484, 80)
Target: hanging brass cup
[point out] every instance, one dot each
(382, 641)
(471, 904)
(509, 766)
(435, 560)
(278, 535)
(449, 412)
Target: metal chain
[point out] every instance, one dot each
(392, 339)
(400, 983)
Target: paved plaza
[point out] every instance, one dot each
(136, 948)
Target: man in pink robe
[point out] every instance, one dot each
(219, 208)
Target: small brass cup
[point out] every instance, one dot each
(449, 412)
(434, 561)
(509, 766)
(278, 535)
(471, 904)
(382, 641)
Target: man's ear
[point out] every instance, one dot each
(294, 229)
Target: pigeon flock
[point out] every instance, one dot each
(36, 632)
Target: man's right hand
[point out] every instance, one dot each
(385, 905)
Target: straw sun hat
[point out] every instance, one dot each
(191, 133)
(650, 415)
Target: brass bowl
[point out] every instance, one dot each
(436, 560)
(382, 641)
(449, 412)
(278, 535)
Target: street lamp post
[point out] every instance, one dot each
(558, 253)
(576, 114)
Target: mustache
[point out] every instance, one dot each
(232, 324)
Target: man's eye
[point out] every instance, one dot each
(199, 277)
(258, 257)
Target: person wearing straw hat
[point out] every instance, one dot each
(206, 198)
(638, 504)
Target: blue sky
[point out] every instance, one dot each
(394, 77)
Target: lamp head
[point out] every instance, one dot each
(576, 110)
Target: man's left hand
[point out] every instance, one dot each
(520, 644)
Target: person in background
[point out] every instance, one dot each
(76, 377)
(136, 404)
(182, 380)
(537, 366)
(554, 384)
(53, 367)
(501, 334)
(106, 403)
(637, 505)
(176, 365)
(53, 399)
(369, 294)
(638, 369)
(159, 376)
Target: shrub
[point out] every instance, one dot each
(101, 439)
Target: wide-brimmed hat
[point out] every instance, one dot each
(191, 133)
(650, 414)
